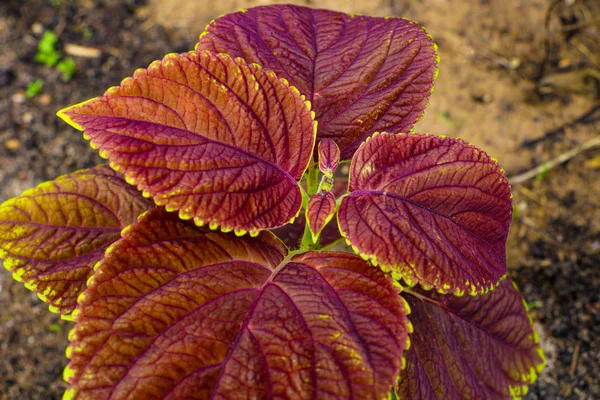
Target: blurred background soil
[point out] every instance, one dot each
(521, 79)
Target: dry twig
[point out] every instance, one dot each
(532, 173)
(76, 50)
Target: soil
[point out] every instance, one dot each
(520, 79)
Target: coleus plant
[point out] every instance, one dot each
(169, 261)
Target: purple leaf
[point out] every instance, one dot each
(320, 210)
(177, 311)
(291, 234)
(362, 74)
(435, 210)
(480, 347)
(329, 157)
(218, 140)
(52, 235)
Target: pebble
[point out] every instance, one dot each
(12, 144)
(37, 28)
(44, 99)
(18, 97)
(27, 117)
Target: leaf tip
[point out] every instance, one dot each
(54, 309)
(69, 351)
(199, 222)
(72, 335)
(68, 375)
(240, 232)
(123, 232)
(81, 297)
(67, 317)
(63, 113)
(184, 215)
(73, 315)
(109, 250)
(69, 393)
(18, 273)
(111, 90)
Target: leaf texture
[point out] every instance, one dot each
(320, 210)
(291, 234)
(52, 235)
(435, 210)
(329, 157)
(480, 347)
(362, 74)
(218, 140)
(177, 311)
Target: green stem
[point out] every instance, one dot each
(307, 243)
(312, 180)
(332, 244)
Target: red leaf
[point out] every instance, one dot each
(52, 235)
(221, 141)
(176, 311)
(329, 156)
(435, 210)
(480, 347)
(362, 74)
(320, 210)
(291, 234)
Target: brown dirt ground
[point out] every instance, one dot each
(506, 77)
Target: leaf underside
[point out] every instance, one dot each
(362, 74)
(177, 311)
(479, 347)
(219, 140)
(52, 235)
(435, 210)
(329, 157)
(320, 210)
(291, 234)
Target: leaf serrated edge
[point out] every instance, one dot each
(405, 272)
(9, 261)
(351, 16)
(517, 391)
(69, 372)
(436, 73)
(130, 180)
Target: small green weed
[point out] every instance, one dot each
(67, 67)
(34, 88)
(49, 55)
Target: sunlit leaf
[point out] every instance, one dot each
(218, 140)
(320, 210)
(177, 311)
(291, 234)
(480, 347)
(435, 210)
(52, 235)
(329, 157)
(362, 74)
